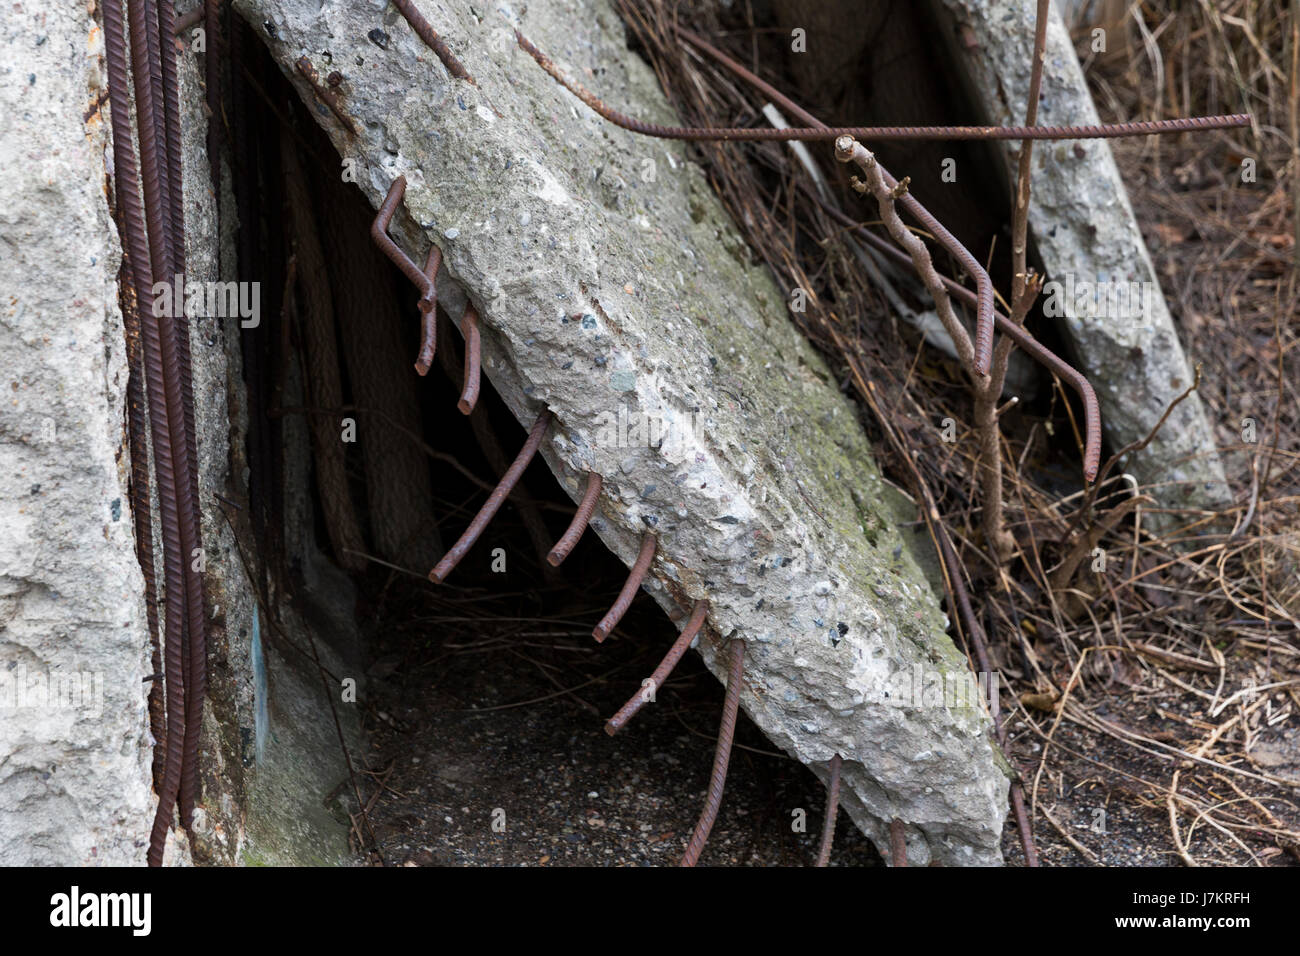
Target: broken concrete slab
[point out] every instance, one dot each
(615, 293)
(1101, 284)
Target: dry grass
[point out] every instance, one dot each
(1154, 709)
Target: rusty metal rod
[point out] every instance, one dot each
(495, 500)
(832, 810)
(767, 134)
(897, 843)
(158, 155)
(324, 94)
(579, 523)
(1018, 334)
(379, 233)
(1024, 824)
(187, 442)
(984, 313)
(425, 31)
(146, 258)
(473, 348)
(651, 685)
(721, 756)
(429, 317)
(625, 596)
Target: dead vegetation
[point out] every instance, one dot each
(1153, 708)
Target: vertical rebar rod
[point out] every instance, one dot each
(832, 810)
(473, 347)
(429, 317)
(897, 843)
(721, 756)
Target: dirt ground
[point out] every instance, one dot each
(484, 722)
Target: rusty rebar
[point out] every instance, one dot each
(379, 233)
(425, 31)
(152, 65)
(473, 347)
(655, 681)
(984, 313)
(126, 188)
(897, 843)
(824, 133)
(1023, 824)
(495, 500)
(325, 94)
(721, 756)
(1018, 334)
(188, 510)
(579, 524)
(630, 587)
(832, 810)
(142, 256)
(982, 299)
(429, 317)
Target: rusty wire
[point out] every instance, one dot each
(429, 323)
(473, 349)
(379, 233)
(824, 133)
(324, 94)
(624, 600)
(832, 810)
(425, 31)
(897, 843)
(656, 680)
(579, 524)
(721, 756)
(495, 500)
